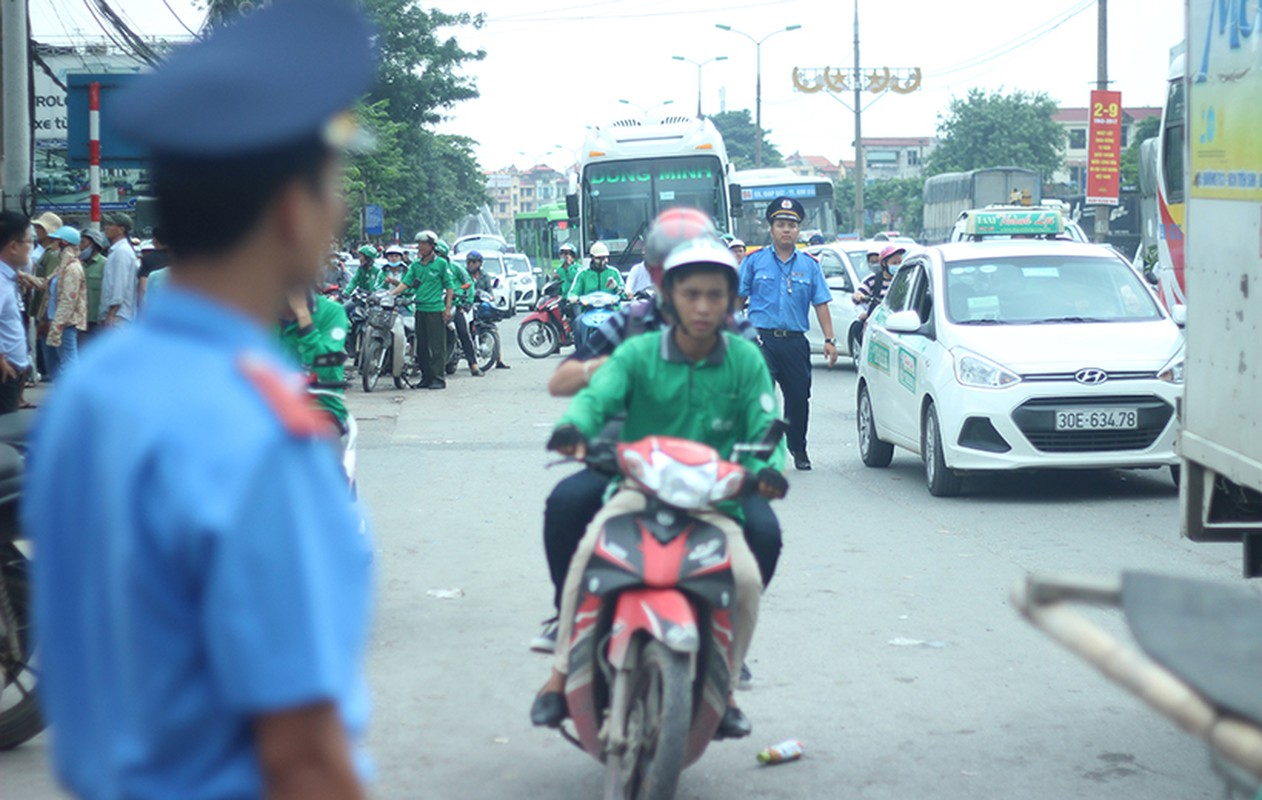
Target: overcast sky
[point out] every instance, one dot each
(556, 66)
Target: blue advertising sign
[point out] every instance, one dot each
(116, 152)
(755, 193)
(374, 221)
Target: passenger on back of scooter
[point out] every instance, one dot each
(396, 264)
(874, 287)
(576, 499)
(569, 269)
(598, 277)
(697, 381)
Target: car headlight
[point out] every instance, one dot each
(1172, 372)
(973, 370)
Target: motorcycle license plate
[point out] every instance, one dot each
(1097, 419)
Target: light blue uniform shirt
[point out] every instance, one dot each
(12, 335)
(200, 562)
(782, 293)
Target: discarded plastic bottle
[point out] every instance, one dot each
(790, 750)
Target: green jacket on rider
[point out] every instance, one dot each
(326, 334)
(722, 400)
(590, 280)
(367, 278)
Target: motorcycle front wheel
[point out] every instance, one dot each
(20, 718)
(487, 344)
(374, 362)
(538, 339)
(659, 714)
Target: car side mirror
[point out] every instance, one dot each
(1179, 314)
(839, 283)
(903, 322)
(1152, 277)
(734, 198)
(571, 206)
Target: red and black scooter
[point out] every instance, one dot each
(545, 330)
(649, 674)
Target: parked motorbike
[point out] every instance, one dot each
(20, 718)
(388, 342)
(649, 658)
(596, 308)
(484, 332)
(545, 330)
(1198, 658)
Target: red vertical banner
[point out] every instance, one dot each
(1104, 148)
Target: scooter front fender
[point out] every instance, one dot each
(399, 342)
(664, 614)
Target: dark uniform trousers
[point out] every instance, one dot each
(789, 359)
(576, 500)
(462, 335)
(431, 346)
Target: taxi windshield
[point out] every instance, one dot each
(1046, 289)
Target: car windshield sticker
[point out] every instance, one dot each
(879, 356)
(1040, 272)
(906, 369)
(985, 307)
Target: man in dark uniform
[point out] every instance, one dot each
(205, 639)
(781, 284)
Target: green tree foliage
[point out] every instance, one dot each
(893, 204)
(1143, 130)
(428, 180)
(995, 129)
(420, 178)
(740, 134)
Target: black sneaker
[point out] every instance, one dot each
(546, 641)
(441, 385)
(802, 462)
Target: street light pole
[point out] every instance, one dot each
(643, 110)
(699, 65)
(758, 83)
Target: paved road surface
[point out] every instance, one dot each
(987, 708)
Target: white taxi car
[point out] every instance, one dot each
(1005, 355)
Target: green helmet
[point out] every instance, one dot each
(442, 249)
(368, 251)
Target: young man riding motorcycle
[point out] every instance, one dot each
(576, 499)
(693, 380)
(598, 277)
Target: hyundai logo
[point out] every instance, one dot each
(1091, 377)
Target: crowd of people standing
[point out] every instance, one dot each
(67, 284)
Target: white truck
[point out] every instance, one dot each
(1221, 441)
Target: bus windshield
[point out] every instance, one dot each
(816, 199)
(621, 198)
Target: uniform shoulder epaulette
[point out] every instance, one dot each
(291, 406)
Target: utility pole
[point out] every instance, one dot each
(758, 85)
(1102, 83)
(15, 115)
(858, 130)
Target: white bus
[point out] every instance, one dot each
(632, 170)
(758, 187)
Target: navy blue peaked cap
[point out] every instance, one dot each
(276, 76)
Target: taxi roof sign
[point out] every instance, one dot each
(1016, 221)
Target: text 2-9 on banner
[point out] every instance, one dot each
(1104, 148)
